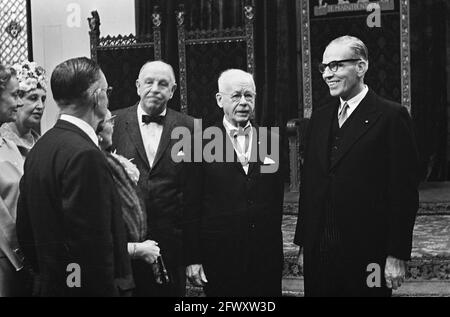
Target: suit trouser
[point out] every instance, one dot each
(13, 283)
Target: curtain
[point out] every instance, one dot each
(429, 91)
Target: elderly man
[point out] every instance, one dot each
(68, 221)
(233, 215)
(358, 197)
(143, 133)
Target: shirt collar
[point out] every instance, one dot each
(83, 125)
(355, 101)
(229, 127)
(141, 112)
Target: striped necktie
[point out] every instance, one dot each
(343, 114)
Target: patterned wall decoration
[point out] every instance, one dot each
(389, 70)
(204, 54)
(13, 31)
(121, 57)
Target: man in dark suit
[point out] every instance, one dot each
(143, 133)
(68, 221)
(358, 197)
(234, 206)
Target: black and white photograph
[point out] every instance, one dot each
(224, 155)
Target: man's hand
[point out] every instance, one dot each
(196, 275)
(148, 251)
(394, 272)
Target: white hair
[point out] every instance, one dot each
(231, 74)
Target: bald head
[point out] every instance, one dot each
(159, 65)
(155, 86)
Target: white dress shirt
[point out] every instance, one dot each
(241, 141)
(151, 134)
(83, 125)
(354, 102)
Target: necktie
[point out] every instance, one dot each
(240, 131)
(155, 119)
(242, 150)
(343, 115)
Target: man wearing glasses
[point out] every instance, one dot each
(233, 220)
(358, 197)
(69, 222)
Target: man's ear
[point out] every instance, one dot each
(219, 100)
(174, 88)
(362, 68)
(138, 86)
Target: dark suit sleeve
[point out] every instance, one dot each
(403, 197)
(193, 211)
(24, 231)
(87, 191)
(304, 148)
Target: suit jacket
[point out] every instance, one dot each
(371, 185)
(161, 187)
(69, 212)
(233, 225)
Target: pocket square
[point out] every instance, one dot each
(268, 161)
(181, 153)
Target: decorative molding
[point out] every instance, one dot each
(157, 21)
(187, 38)
(306, 59)
(249, 12)
(94, 33)
(405, 53)
(180, 15)
(14, 29)
(15, 33)
(200, 37)
(124, 42)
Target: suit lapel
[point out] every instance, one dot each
(166, 136)
(254, 159)
(361, 120)
(324, 122)
(134, 132)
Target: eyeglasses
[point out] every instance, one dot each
(111, 120)
(248, 96)
(334, 65)
(108, 91)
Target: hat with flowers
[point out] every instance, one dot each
(30, 76)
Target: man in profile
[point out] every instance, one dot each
(69, 218)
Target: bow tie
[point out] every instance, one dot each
(155, 119)
(240, 131)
